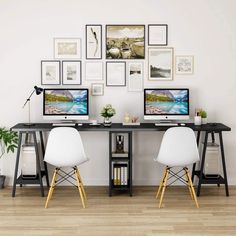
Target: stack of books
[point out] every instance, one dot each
(120, 174)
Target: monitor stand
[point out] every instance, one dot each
(65, 123)
(166, 123)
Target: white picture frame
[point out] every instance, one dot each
(97, 89)
(93, 70)
(93, 41)
(116, 74)
(135, 76)
(67, 48)
(50, 72)
(71, 72)
(158, 35)
(160, 63)
(184, 65)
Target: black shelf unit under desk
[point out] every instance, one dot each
(120, 161)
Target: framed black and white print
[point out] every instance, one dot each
(67, 48)
(94, 70)
(135, 76)
(93, 41)
(160, 63)
(97, 89)
(50, 72)
(125, 41)
(158, 35)
(71, 72)
(184, 65)
(115, 74)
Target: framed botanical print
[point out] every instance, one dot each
(184, 65)
(97, 89)
(160, 63)
(71, 72)
(157, 35)
(125, 41)
(135, 76)
(67, 48)
(93, 41)
(115, 74)
(94, 70)
(50, 72)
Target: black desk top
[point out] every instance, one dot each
(217, 127)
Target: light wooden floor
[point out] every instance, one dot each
(117, 215)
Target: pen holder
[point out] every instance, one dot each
(197, 120)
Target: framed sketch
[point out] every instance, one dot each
(71, 72)
(160, 63)
(158, 35)
(125, 41)
(93, 41)
(50, 72)
(67, 48)
(184, 65)
(97, 89)
(115, 74)
(135, 76)
(93, 70)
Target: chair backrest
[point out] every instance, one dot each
(178, 147)
(65, 148)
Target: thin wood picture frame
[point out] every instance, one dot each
(116, 74)
(71, 72)
(184, 64)
(97, 89)
(50, 72)
(93, 36)
(157, 35)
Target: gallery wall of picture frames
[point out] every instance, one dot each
(124, 54)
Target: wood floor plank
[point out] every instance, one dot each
(119, 215)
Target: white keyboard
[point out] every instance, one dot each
(166, 124)
(63, 124)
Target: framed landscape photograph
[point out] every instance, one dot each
(94, 70)
(50, 72)
(115, 74)
(71, 72)
(135, 76)
(67, 48)
(125, 41)
(184, 65)
(93, 41)
(158, 35)
(160, 63)
(97, 89)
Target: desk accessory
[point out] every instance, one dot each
(120, 143)
(38, 91)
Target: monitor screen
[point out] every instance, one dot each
(66, 104)
(166, 103)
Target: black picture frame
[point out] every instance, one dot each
(97, 39)
(122, 84)
(44, 73)
(80, 71)
(165, 26)
(126, 52)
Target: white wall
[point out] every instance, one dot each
(203, 28)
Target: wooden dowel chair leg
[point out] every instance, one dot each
(164, 187)
(81, 183)
(191, 185)
(187, 180)
(161, 183)
(79, 187)
(51, 187)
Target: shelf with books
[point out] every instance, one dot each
(120, 161)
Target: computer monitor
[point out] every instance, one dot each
(66, 104)
(166, 104)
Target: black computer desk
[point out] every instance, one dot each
(39, 128)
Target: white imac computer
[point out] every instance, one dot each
(166, 105)
(66, 106)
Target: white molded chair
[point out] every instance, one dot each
(65, 149)
(178, 149)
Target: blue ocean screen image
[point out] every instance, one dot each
(66, 102)
(167, 102)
